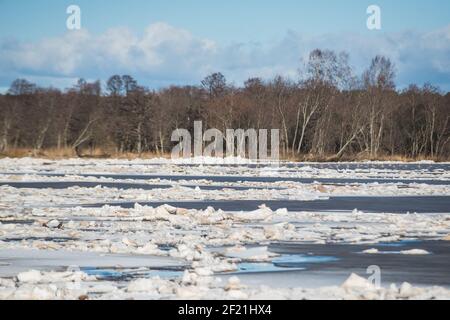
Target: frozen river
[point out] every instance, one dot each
(423, 204)
(162, 229)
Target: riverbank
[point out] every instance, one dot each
(68, 153)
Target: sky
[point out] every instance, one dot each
(181, 41)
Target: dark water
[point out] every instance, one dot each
(221, 179)
(429, 204)
(118, 185)
(427, 167)
(432, 269)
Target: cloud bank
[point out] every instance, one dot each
(165, 55)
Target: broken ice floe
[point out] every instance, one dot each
(168, 251)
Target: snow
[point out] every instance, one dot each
(53, 285)
(415, 252)
(250, 254)
(263, 213)
(371, 251)
(31, 276)
(407, 252)
(50, 242)
(212, 166)
(23, 259)
(355, 282)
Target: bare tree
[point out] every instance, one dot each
(215, 84)
(379, 82)
(329, 113)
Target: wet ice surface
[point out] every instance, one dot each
(13, 261)
(236, 179)
(423, 204)
(116, 185)
(162, 229)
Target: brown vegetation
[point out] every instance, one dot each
(328, 114)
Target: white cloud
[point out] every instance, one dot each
(164, 54)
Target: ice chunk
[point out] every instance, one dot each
(371, 251)
(139, 285)
(150, 248)
(204, 271)
(281, 211)
(53, 224)
(415, 252)
(407, 291)
(262, 213)
(355, 282)
(234, 283)
(250, 254)
(32, 276)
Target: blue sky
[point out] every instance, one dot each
(180, 41)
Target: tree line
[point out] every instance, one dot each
(329, 112)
